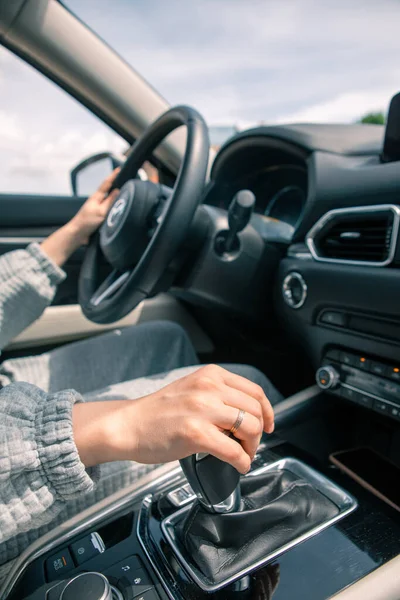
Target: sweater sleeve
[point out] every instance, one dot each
(28, 281)
(40, 468)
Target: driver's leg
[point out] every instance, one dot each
(107, 359)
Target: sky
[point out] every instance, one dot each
(239, 62)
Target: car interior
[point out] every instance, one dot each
(281, 250)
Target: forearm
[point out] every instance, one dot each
(62, 243)
(28, 281)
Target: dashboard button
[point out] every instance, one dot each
(333, 354)
(362, 363)
(364, 400)
(393, 389)
(381, 407)
(131, 564)
(348, 359)
(349, 394)
(394, 373)
(87, 547)
(333, 317)
(58, 564)
(134, 583)
(394, 411)
(378, 368)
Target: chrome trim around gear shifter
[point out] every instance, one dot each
(343, 500)
(231, 504)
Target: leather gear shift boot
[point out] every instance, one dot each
(277, 507)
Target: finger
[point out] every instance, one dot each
(109, 200)
(255, 391)
(225, 448)
(105, 186)
(249, 431)
(240, 400)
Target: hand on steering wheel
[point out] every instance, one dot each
(137, 251)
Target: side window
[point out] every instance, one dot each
(44, 132)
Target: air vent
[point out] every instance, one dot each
(364, 235)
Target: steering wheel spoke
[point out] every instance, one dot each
(111, 284)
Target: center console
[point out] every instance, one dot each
(362, 379)
(301, 530)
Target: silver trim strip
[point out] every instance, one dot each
(332, 214)
(364, 393)
(299, 255)
(343, 500)
(98, 298)
(12, 241)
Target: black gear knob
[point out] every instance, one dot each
(215, 482)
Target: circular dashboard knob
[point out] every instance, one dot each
(294, 290)
(87, 586)
(327, 377)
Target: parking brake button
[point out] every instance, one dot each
(87, 547)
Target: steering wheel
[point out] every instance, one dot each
(144, 230)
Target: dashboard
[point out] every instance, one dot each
(335, 283)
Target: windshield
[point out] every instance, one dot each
(242, 63)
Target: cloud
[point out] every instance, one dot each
(257, 60)
(44, 133)
(343, 108)
(9, 128)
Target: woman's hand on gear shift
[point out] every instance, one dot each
(190, 415)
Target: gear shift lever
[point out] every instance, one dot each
(215, 482)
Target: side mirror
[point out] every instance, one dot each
(90, 172)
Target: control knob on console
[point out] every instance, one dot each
(87, 586)
(327, 377)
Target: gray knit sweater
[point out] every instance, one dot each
(40, 467)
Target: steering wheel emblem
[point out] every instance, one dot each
(116, 211)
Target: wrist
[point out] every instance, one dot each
(62, 243)
(101, 431)
(77, 235)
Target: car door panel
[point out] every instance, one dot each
(27, 218)
(27, 210)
